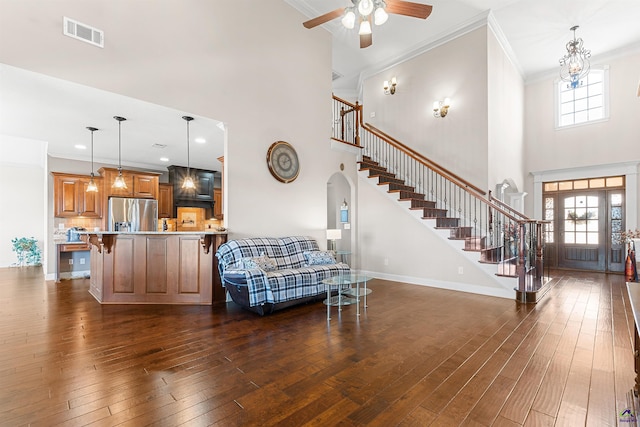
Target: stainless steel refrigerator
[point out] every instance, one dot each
(126, 214)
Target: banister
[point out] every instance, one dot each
(356, 105)
(424, 160)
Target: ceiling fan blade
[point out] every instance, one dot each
(323, 18)
(366, 40)
(407, 8)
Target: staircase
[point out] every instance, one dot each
(506, 240)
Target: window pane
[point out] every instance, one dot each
(595, 89)
(569, 226)
(592, 226)
(615, 181)
(566, 185)
(592, 202)
(592, 238)
(580, 93)
(566, 120)
(595, 101)
(596, 113)
(581, 238)
(566, 96)
(569, 238)
(566, 108)
(595, 77)
(548, 202)
(581, 201)
(579, 185)
(616, 199)
(581, 105)
(581, 117)
(569, 202)
(596, 183)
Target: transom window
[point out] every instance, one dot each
(586, 103)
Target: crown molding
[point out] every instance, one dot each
(453, 33)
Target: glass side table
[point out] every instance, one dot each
(351, 295)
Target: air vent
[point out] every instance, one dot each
(83, 32)
(335, 76)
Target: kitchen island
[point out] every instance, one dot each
(155, 267)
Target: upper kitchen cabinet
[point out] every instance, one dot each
(139, 184)
(70, 197)
(202, 178)
(199, 197)
(165, 201)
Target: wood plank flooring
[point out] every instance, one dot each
(417, 356)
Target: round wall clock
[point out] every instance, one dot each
(283, 161)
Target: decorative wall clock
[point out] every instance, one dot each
(283, 163)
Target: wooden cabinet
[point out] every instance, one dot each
(217, 203)
(203, 180)
(139, 184)
(70, 197)
(165, 201)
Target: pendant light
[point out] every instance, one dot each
(119, 181)
(188, 183)
(92, 187)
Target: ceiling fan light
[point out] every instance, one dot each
(380, 16)
(349, 19)
(365, 7)
(365, 28)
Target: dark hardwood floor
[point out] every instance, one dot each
(418, 356)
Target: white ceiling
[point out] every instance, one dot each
(39, 107)
(536, 31)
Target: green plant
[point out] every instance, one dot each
(27, 250)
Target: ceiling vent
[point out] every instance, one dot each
(335, 76)
(83, 32)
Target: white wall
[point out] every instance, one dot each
(615, 141)
(23, 164)
(224, 60)
(505, 144)
(458, 70)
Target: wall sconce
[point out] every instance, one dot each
(390, 89)
(441, 108)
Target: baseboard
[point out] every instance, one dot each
(440, 284)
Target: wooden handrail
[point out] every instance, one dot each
(346, 102)
(504, 205)
(422, 159)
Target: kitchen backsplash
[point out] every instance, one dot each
(61, 225)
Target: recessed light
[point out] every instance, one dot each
(200, 140)
(80, 147)
(164, 159)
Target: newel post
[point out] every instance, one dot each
(522, 265)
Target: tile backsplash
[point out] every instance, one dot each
(61, 225)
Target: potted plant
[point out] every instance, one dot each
(27, 251)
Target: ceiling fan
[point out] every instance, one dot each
(364, 10)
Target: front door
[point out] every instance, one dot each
(586, 219)
(582, 230)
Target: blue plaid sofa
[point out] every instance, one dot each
(267, 274)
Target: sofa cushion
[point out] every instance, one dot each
(262, 262)
(318, 257)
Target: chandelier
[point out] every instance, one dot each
(574, 66)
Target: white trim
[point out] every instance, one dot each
(440, 284)
(628, 169)
(478, 21)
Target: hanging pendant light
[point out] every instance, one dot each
(119, 182)
(92, 187)
(574, 65)
(188, 181)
